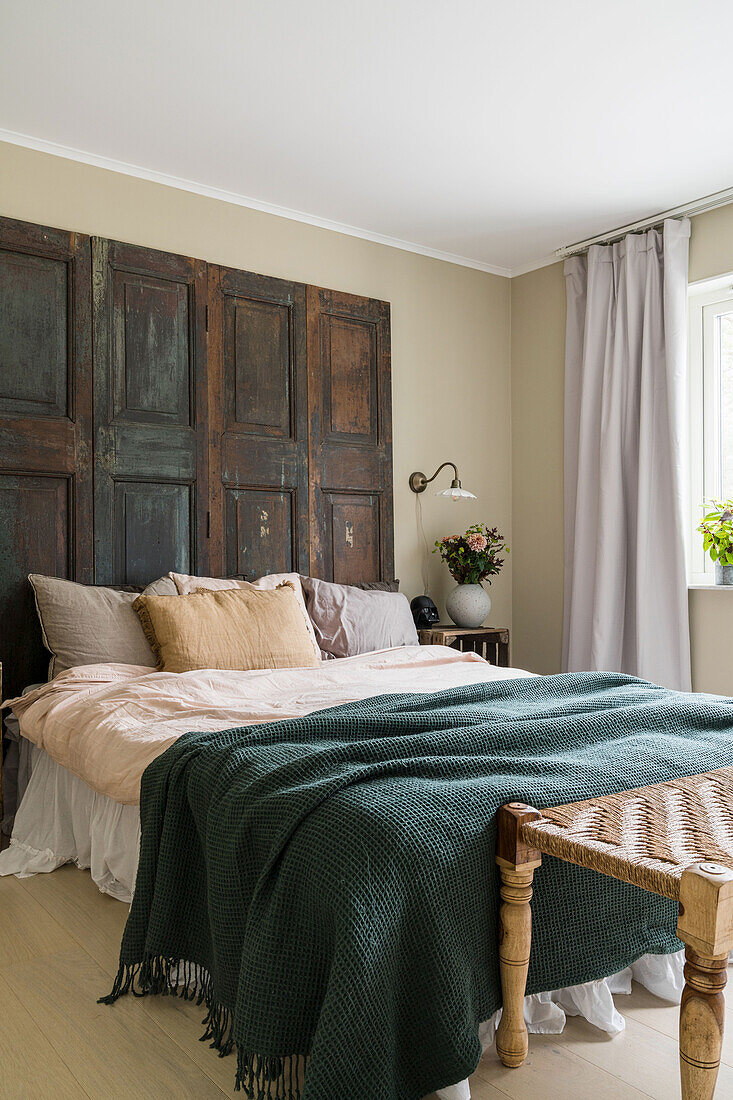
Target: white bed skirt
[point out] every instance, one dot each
(545, 1013)
(61, 820)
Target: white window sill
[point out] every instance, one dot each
(710, 587)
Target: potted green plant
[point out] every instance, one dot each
(471, 558)
(717, 539)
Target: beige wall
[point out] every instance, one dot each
(711, 631)
(450, 327)
(538, 335)
(538, 341)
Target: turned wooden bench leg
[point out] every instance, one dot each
(517, 865)
(705, 926)
(702, 1014)
(515, 941)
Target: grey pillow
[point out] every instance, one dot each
(377, 586)
(368, 586)
(164, 586)
(85, 624)
(349, 620)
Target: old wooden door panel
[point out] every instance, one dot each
(45, 427)
(150, 413)
(36, 535)
(350, 380)
(258, 424)
(258, 531)
(257, 346)
(350, 443)
(353, 536)
(151, 352)
(34, 308)
(153, 521)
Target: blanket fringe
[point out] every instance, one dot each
(260, 1077)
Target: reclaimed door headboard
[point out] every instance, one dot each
(158, 412)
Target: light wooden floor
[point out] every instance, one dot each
(59, 940)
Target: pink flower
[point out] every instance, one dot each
(476, 542)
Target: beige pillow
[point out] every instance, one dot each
(86, 624)
(186, 584)
(242, 628)
(164, 586)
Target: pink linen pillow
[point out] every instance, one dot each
(349, 620)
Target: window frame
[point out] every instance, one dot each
(705, 300)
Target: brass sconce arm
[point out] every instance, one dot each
(419, 482)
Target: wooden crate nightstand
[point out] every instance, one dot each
(490, 642)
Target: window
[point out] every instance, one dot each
(711, 409)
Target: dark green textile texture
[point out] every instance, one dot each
(327, 886)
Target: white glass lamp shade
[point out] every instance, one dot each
(456, 492)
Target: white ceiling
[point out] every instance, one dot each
(491, 132)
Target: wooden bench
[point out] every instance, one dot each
(673, 839)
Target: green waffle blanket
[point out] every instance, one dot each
(326, 885)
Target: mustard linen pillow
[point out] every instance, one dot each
(186, 584)
(242, 628)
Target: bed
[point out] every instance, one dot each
(137, 713)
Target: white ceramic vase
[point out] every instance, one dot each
(468, 605)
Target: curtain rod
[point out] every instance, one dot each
(689, 209)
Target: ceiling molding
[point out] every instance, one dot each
(534, 265)
(111, 165)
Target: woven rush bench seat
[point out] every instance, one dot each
(674, 839)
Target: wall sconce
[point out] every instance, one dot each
(419, 483)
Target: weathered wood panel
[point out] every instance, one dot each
(45, 429)
(350, 437)
(34, 330)
(353, 536)
(152, 355)
(259, 530)
(153, 523)
(350, 380)
(150, 413)
(36, 536)
(258, 424)
(257, 345)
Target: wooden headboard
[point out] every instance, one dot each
(158, 412)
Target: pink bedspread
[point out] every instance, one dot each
(106, 723)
